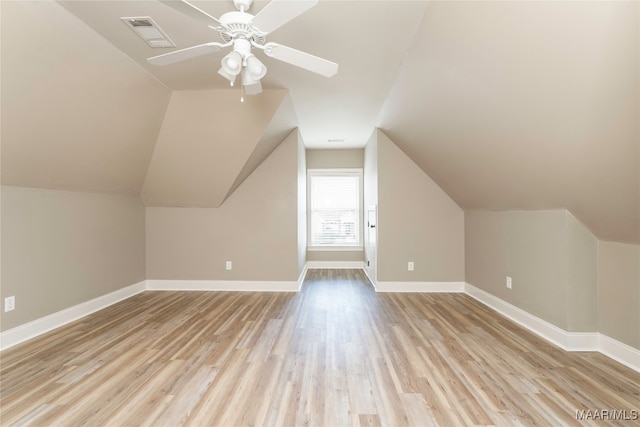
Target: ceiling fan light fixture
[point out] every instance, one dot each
(247, 77)
(256, 67)
(228, 76)
(232, 63)
(252, 89)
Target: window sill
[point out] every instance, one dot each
(336, 248)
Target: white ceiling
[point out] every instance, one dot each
(505, 104)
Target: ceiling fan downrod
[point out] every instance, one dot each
(242, 5)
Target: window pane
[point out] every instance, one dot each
(335, 210)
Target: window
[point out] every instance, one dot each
(334, 208)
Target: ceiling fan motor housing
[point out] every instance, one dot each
(243, 47)
(237, 25)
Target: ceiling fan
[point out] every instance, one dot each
(244, 31)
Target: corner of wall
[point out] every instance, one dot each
(582, 277)
(302, 205)
(619, 291)
(418, 222)
(59, 230)
(256, 228)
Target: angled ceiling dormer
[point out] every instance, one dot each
(283, 123)
(206, 139)
(527, 105)
(77, 113)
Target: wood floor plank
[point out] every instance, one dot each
(336, 353)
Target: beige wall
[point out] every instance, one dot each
(335, 159)
(619, 292)
(302, 204)
(582, 277)
(62, 248)
(549, 256)
(256, 228)
(348, 158)
(417, 221)
(370, 173)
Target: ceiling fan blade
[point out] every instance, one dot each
(279, 12)
(182, 54)
(192, 11)
(301, 59)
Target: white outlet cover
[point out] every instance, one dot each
(9, 304)
(228, 265)
(410, 266)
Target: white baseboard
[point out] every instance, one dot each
(450, 287)
(620, 352)
(540, 327)
(302, 276)
(222, 285)
(373, 282)
(311, 265)
(568, 341)
(581, 341)
(22, 333)
(25, 332)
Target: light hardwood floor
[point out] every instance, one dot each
(334, 354)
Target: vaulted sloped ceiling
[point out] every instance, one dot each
(527, 105)
(505, 104)
(281, 125)
(76, 112)
(368, 39)
(205, 141)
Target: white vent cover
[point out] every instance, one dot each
(149, 31)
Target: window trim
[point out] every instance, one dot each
(336, 172)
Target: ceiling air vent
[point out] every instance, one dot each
(149, 31)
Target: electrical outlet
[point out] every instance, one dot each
(9, 303)
(228, 265)
(509, 284)
(410, 266)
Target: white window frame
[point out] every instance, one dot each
(336, 172)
